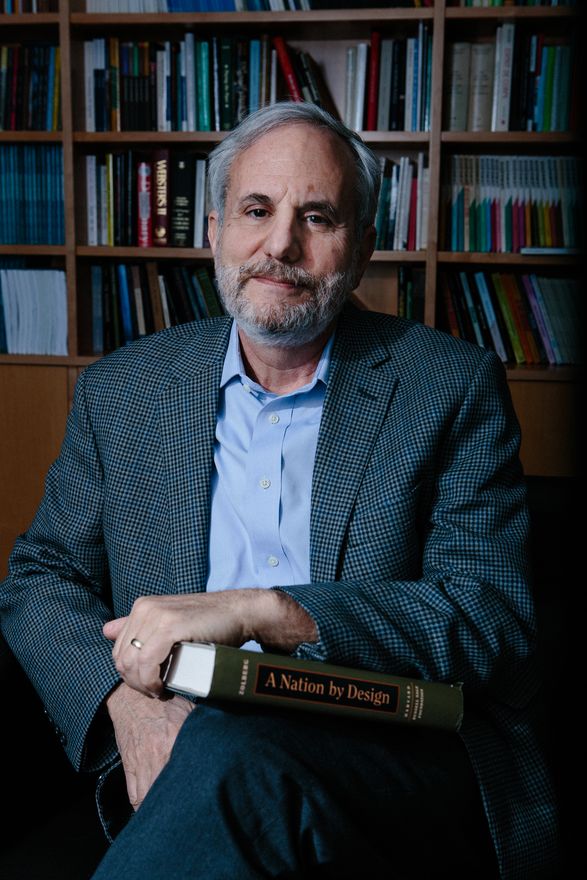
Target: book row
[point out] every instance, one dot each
(146, 199)
(525, 318)
(388, 83)
(514, 82)
(30, 87)
(33, 311)
(23, 6)
(133, 300)
(506, 204)
(402, 210)
(488, 3)
(411, 282)
(192, 84)
(31, 194)
(240, 5)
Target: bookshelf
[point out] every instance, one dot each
(36, 390)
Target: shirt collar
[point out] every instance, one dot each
(234, 368)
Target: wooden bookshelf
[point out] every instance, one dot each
(37, 390)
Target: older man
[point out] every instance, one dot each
(307, 478)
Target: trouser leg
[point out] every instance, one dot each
(252, 794)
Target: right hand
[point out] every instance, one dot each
(145, 731)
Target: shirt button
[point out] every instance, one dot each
(264, 483)
(274, 418)
(273, 561)
(247, 388)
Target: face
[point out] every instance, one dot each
(287, 254)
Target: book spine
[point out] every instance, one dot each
(160, 207)
(273, 680)
(373, 82)
(144, 206)
(458, 86)
(287, 69)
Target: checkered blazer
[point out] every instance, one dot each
(418, 531)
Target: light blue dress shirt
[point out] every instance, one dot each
(261, 487)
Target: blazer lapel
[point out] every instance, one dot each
(360, 387)
(187, 419)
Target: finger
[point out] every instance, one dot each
(112, 628)
(131, 787)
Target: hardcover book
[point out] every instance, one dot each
(227, 673)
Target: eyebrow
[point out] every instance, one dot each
(260, 198)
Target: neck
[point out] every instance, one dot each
(279, 369)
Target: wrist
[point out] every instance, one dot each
(279, 622)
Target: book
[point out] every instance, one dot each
(459, 55)
(287, 69)
(480, 86)
(502, 81)
(144, 205)
(182, 180)
(226, 673)
(160, 196)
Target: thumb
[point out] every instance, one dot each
(112, 628)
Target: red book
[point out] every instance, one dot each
(144, 206)
(287, 69)
(373, 81)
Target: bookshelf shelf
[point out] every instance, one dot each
(544, 396)
(487, 139)
(493, 259)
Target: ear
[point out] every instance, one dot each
(213, 231)
(366, 248)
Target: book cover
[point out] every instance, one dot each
(226, 673)
(457, 96)
(160, 196)
(539, 319)
(508, 317)
(181, 199)
(287, 68)
(154, 296)
(491, 318)
(480, 87)
(373, 81)
(97, 309)
(384, 86)
(503, 80)
(144, 204)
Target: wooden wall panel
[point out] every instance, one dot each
(548, 414)
(34, 406)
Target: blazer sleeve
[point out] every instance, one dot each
(55, 598)
(467, 613)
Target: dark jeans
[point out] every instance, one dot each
(257, 794)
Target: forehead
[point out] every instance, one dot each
(298, 158)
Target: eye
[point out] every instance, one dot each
(317, 220)
(257, 213)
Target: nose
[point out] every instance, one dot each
(283, 241)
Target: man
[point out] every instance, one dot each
(312, 479)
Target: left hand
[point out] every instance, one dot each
(229, 617)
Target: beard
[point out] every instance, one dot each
(284, 322)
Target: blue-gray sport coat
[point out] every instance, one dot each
(418, 538)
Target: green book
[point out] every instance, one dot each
(226, 673)
(204, 115)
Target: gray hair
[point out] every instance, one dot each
(259, 123)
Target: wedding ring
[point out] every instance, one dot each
(136, 643)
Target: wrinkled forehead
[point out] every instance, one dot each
(298, 157)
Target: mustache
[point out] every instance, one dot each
(278, 272)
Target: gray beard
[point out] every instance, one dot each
(283, 323)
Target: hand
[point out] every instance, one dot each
(145, 732)
(230, 617)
